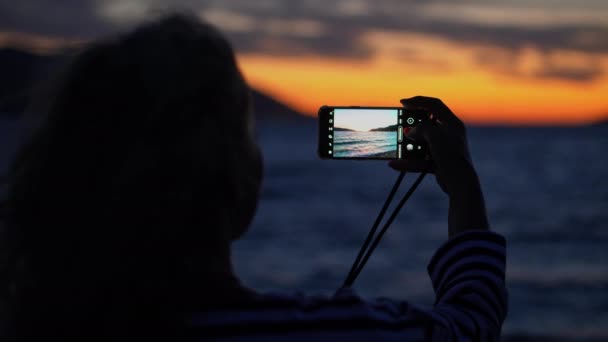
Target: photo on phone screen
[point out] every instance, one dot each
(369, 133)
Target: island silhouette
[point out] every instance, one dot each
(391, 128)
(23, 71)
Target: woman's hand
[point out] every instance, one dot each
(452, 165)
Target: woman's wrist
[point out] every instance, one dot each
(460, 180)
(467, 206)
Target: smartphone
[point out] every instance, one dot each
(369, 133)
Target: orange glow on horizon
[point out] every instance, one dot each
(504, 90)
(37, 43)
(478, 95)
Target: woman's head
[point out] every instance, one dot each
(152, 124)
(144, 157)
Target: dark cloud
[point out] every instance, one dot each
(336, 43)
(63, 18)
(342, 23)
(571, 74)
(434, 63)
(410, 16)
(545, 65)
(549, 38)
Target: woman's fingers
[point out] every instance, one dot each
(441, 113)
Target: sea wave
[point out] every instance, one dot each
(361, 144)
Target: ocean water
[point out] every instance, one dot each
(363, 144)
(546, 191)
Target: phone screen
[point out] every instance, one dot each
(368, 133)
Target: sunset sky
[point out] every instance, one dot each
(514, 62)
(364, 119)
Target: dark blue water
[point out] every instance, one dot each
(546, 191)
(364, 144)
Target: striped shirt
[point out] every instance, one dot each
(468, 276)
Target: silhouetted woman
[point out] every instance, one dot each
(124, 201)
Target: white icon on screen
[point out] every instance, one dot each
(330, 136)
(409, 147)
(410, 120)
(330, 120)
